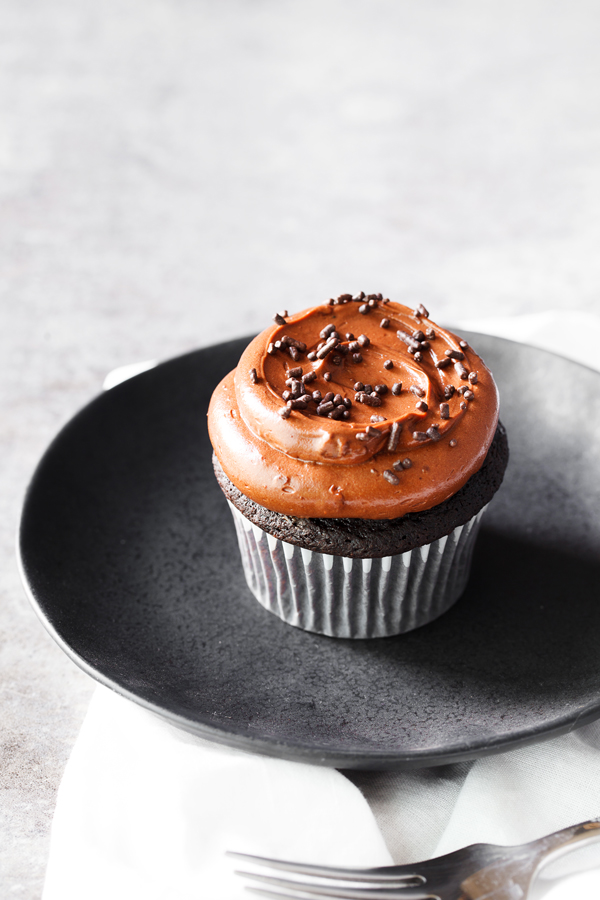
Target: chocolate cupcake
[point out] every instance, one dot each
(357, 444)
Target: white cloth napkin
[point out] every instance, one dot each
(147, 811)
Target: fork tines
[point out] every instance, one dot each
(326, 882)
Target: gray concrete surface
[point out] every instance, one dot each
(173, 171)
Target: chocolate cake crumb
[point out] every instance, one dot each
(374, 538)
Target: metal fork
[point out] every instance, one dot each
(473, 873)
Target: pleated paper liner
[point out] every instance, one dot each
(356, 598)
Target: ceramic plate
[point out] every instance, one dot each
(129, 555)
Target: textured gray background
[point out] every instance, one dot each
(173, 171)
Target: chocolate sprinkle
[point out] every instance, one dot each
(327, 348)
(368, 399)
(312, 355)
(278, 319)
(454, 354)
(369, 388)
(430, 334)
(271, 349)
(408, 339)
(338, 399)
(444, 411)
(359, 386)
(336, 360)
(462, 371)
(354, 346)
(388, 364)
(337, 413)
(361, 436)
(357, 357)
(358, 298)
(295, 373)
(394, 436)
(381, 389)
(417, 390)
(449, 391)
(391, 477)
(372, 303)
(422, 406)
(286, 395)
(310, 376)
(253, 376)
(385, 323)
(328, 396)
(406, 463)
(453, 443)
(397, 389)
(317, 396)
(420, 311)
(375, 419)
(473, 377)
(325, 408)
(469, 395)
(463, 405)
(420, 435)
(433, 432)
(364, 309)
(418, 336)
(442, 363)
(349, 336)
(327, 331)
(363, 340)
(294, 353)
(327, 376)
(418, 355)
(285, 412)
(463, 344)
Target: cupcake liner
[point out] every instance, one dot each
(355, 598)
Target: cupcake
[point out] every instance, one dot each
(357, 444)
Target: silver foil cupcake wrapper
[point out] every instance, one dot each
(355, 598)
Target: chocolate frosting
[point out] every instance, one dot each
(304, 462)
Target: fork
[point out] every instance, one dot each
(472, 873)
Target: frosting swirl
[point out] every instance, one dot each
(359, 409)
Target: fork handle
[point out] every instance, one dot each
(521, 864)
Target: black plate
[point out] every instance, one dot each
(129, 555)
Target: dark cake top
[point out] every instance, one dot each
(359, 408)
